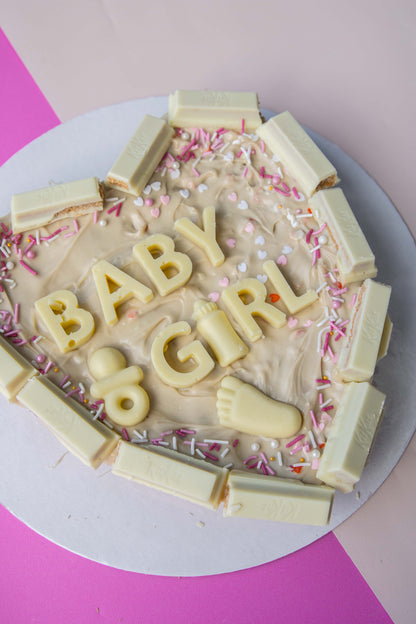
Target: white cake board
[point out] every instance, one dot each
(129, 526)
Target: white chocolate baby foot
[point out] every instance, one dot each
(241, 406)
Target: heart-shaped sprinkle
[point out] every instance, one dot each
(249, 227)
(259, 240)
(242, 267)
(224, 281)
(175, 173)
(155, 212)
(232, 196)
(202, 188)
(262, 278)
(148, 202)
(165, 199)
(147, 189)
(262, 254)
(274, 297)
(214, 296)
(156, 186)
(292, 322)
(230, 242)
(287, 250)
(308, 323)
(184, 193)
(243, 205)
(296, 235)
(139, 201)
(282, 260)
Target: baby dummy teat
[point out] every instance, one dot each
(241, 406)
(126, 403)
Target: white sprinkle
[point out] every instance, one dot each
(37, 236)
(65, 386)
(279, 458)
(217, 441)
(325, 320)
(9, 266)
(50, 240)
(139, 435)
(144, 433)
(200, 453)
(102, 222)
(111, 199)
(321, 287)
(304, 215)
(259, 464)
(332, 277)
(163, 172)
(193, 446)
(99, 411)
(147, 189)
(140, 441)
(312, 439)
(228, 466)
(174, 444)
(162, 444)
(224, 147)
(81, 387)
(325, 404)
(301, 464)
(338, 299)
(225, 452)
(246, 153)
(315, 249)
(138, 201)
(37, 339)
(323, 387)
(109, 425)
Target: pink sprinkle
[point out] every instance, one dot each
(125, 434)
(95, 216)
(215, 447)
(76, 226)
(296, 449)
(308, 236)
(48, 367)
(16, 313)
(28, 268)
(323, 381)
(295, 440)
(69, 234)
(235, 442)
(328, 408)
(64, 380)
(245, 172)
(340, 291)
(321, 229)
(264, 458)
(195, 172)
(239, 153)
(214, 296)
(166, 433)
(148, 202)
(209, 456)
(295, 192)
(113, 208)
(262, 172)
(312, 415)
(190, 431)
(276, 188)
(270, 470)
(263, 467)
(243, 123)
(353, 300)
(250, 459)
(29, 247)
(230, 242)
(180, 433)
(321, 398)
(262, 146)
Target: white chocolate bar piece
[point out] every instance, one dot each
(351, 436)
(87, 439)
(14, 370)
(173, 473)
(243, 407)
(363, 341)
(34, 209)
(293, 146)
(214, 109)
(355, 260)
(271, 498)
(140, 157)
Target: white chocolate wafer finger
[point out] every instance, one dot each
(87, 439)
(363, 341)
(173, 473)
(293, 146)
(33, 209)
(271, 498)
(14, 370)
(140, 157)
(214, 109)
(243, 407)
(355, 260)
(351, 437)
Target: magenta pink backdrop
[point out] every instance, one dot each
(43, 583)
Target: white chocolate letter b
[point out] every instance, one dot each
(157, 267)
(69, 325)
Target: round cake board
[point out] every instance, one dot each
(113, 521)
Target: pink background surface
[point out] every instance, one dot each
(369, 57)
